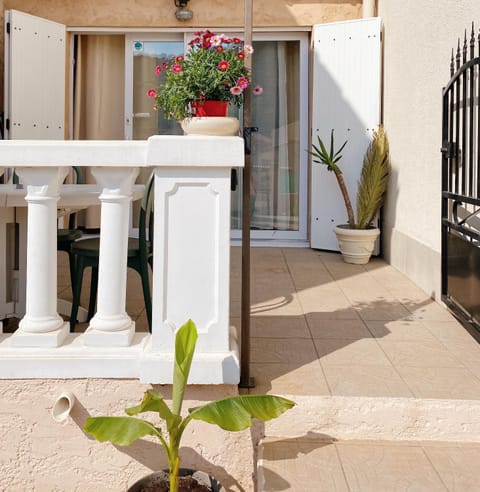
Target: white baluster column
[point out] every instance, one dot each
(111, 325)
(41, 326)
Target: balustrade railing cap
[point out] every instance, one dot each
(72, 153)
(159, 150)
(195, 150)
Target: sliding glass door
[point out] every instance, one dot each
(279, 160)
(278, 198)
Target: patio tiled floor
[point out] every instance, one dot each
(354, 466)
(320, 327)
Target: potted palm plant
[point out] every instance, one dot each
(357, 238)
(202, 84)
(232, 414)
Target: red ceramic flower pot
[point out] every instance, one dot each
(210, 108)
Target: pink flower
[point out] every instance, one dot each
(223, 65)
(241, 55)
(158, 70)
(257, 90)
(242, 82)
(236, 90)
(218, 49)
(179, 58)
(217, 40)
(177, 68)
(237, 40)
(151, 93)
(248, 49)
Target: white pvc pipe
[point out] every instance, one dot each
(63, 406)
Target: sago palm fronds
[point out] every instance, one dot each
(373, 179)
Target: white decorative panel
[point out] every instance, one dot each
(346, 98)
(192, 223)
(199, 236)
(36, 77)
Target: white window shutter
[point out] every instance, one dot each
(35, 75)
(346, 98)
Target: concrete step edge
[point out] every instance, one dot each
(382, 418)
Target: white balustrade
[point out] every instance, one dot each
(191, 259)
(111, 325)
(41, 326)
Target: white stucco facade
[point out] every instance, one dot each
(418, 39)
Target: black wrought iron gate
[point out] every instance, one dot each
(461, 182)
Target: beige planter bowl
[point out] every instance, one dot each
(211, 125)
(356, 245)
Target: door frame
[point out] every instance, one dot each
(303, 37)
(301, 233)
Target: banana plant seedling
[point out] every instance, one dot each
(232, 414)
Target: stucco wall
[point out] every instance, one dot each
(418, 40)
(41, 455)
(156, 13)
(161, 13)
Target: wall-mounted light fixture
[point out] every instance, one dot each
(182, 13)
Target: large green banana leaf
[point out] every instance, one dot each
(119, 430)
(235, 413)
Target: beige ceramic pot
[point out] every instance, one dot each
(356, 245)
(211, 125)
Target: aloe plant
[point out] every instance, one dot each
(374, 176)
(232, 414)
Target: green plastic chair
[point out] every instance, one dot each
(140, 255)
(65, 237)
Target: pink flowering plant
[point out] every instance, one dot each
(212, 69)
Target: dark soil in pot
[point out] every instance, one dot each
(189, 481)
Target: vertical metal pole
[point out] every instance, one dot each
(245, 380)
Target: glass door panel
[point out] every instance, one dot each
(277, 165)
(146, 56)
(142, 121)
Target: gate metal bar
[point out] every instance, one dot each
(461, 182)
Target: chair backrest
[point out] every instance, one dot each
(146, 223)
(72, 220)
